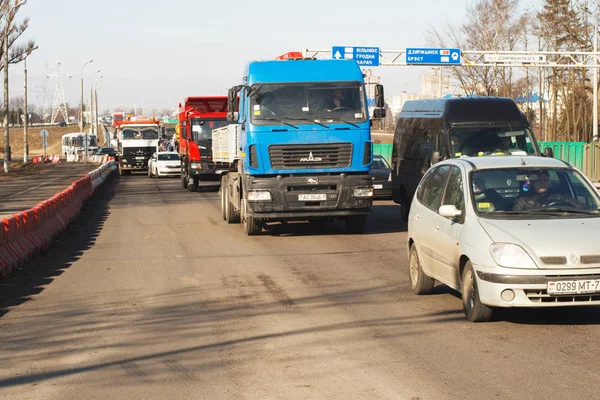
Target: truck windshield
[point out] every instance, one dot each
(137, 134)
(202, 128)
(497, 140)
(306, 102)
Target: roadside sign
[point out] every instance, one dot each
(364, 56)
(515, 58)
(44, 134)
(432, 56)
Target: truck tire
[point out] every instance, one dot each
(251, 225)
(230, 215)
(356, 223)
(192, 186)
(184, 182)
(223, 214)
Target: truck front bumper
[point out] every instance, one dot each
(306, 197)
(207, 170)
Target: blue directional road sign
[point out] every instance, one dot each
(364, 56)
(429, 56)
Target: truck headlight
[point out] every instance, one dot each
(510, 255)
(261, 195)
(196, 165)
(365, 192)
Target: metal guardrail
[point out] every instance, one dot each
(582, 155)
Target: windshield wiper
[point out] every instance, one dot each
(279, 120)
(345, 121)
(309, 120)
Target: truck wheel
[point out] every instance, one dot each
(223, 203)
(184, 179)
(356, 223)
(475, 310)
(192, 185)
(251, 225)
(420, 283)
(230, 215)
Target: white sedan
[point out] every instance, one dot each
(506, 232)
(164, 163)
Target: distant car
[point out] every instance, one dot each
(506, 232)
(381, 177)
(62, 124)
(164, 163)
(104, 151)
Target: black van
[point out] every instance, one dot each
(428, 131)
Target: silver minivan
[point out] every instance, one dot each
(506, 231)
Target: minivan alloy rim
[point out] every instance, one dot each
(414, 269)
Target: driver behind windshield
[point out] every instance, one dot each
(543, 195)
(338, 101)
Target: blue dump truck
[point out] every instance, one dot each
(301, 146)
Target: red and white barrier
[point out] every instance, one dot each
(30, 232)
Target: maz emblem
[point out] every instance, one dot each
(313, 181)
(310, 158)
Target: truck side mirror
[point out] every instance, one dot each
(379, 113)
(232, 116)
(379, 96)
(548, 152)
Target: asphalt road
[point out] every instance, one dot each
(151, 295)
(24, 192)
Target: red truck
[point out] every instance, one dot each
(198, 116)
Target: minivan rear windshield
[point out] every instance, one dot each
(497, 140)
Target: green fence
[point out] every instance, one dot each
(582, 155)
(384, 150)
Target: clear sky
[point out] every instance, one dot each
(156, 52)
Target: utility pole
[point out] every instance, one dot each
(25, 119)
(96, 119)
(595, 110)
(440, 87)
(6, 139)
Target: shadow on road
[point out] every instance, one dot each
(571, 315)
(66, 249)
(383, 218)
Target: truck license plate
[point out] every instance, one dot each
(574, 286)
(312, 197)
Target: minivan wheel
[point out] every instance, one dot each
(420, 283)
(475, 310)
(404, 206)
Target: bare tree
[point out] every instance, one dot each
(17, 52)
(491, 25)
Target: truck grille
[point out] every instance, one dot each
(333, 155)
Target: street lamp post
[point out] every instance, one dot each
(81, 111)
(96, 105)
(6, 130)
(92, 103)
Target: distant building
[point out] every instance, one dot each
(430, 84)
